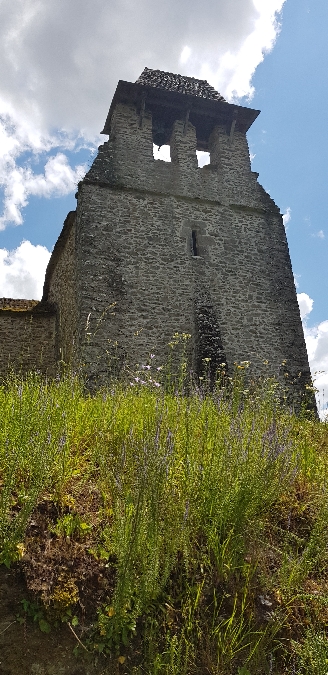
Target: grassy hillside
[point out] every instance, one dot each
(177, 535)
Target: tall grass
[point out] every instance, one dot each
(204, 516)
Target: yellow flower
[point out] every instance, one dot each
(20, 550)
(121, 659)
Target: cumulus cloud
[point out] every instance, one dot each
(316, 339)
(61, 59)
(305, 304)
(22, 271)
(58, 179)
(287, 217)
(60, 62)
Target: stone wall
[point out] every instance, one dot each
(27, 337)
(60, 290)
(140, 223)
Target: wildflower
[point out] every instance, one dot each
(152, 356)
(20, 550)
(62, 442)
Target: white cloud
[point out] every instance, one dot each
(60, 62)
(19, 182)
(56, 55)
(305, 304)
(22, 271)
(316, 339)
(58, 178)
(235, 68)
(296, 278)
(185, 54)
(287, 216)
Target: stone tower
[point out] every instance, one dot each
(165, 247)
(156, 248)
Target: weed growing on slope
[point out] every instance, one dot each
(178, 534)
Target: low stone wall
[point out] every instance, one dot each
(27, 337)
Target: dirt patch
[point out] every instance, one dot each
(25, 650)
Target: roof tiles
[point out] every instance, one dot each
(178, 83)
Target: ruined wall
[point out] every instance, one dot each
(137, 271)
(27, 337)
(37, 335)
(59, 290)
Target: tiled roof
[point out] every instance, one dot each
(17, 304)
(179, 83)
(21, 305)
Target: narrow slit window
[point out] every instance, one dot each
(194, 248)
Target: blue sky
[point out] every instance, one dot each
(290, 140)
(60, 63)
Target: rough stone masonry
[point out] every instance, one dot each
(156, 248)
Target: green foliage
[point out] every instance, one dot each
(36, 613)
(313, 653)
(71, 524)
(185, 525)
